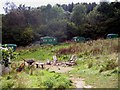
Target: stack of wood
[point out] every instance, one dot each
(72, 61)
(58, 64)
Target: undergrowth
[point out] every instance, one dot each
(40, 79)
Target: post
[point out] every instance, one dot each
(54, 60)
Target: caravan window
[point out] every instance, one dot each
(50, 40)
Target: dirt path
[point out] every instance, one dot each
(77, 82)
(59, 69)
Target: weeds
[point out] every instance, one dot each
(40, 79)
(98, 47)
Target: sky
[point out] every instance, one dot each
(36, 3)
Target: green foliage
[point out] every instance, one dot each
(56, 28)
(72, 30)
(40, 52)
(27, 36)
(53, 80)
(93, 16)
(7, 84)
(23, 25)
(89, 69)
(7, 55)
(108, 65)
(40, 79)
(78, 14)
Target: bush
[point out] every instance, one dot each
(109, 64)
(7, 84)
(49, 83)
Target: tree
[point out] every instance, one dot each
(103, 20)
(56, 28)
(27, 36)
(105, 9)
(112, 23)
(78, 14)
(94, 16)
(9, 7)
(72, 30)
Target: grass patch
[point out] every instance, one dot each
(39, 52)
(40, 79)
(89, 69)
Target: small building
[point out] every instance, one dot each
(110, 36)
(78, 39)
(48, 40)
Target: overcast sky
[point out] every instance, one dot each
(35, 3)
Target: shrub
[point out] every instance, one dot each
(7, 84)
(53, 80)
(108, 64)
(49, 83)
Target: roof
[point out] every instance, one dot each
(9, 45)
(112, 34)
(78, 37)
(47, 37)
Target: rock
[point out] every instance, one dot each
(88, 86)
(58, 68)
(6, 70)
(71, 75)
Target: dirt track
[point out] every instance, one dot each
(77, 82)
(59, 69)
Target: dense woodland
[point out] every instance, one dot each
(23, 25)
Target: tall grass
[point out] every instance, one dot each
(40, 79)
(98, 47)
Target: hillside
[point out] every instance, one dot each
(97, 66)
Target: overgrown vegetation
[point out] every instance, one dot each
(40, 79)
(95, 47)
(7, 54)
(99, 68)
(99, 71)
(64, 51)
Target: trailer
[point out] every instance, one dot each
(110, 36)
(48, 40)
